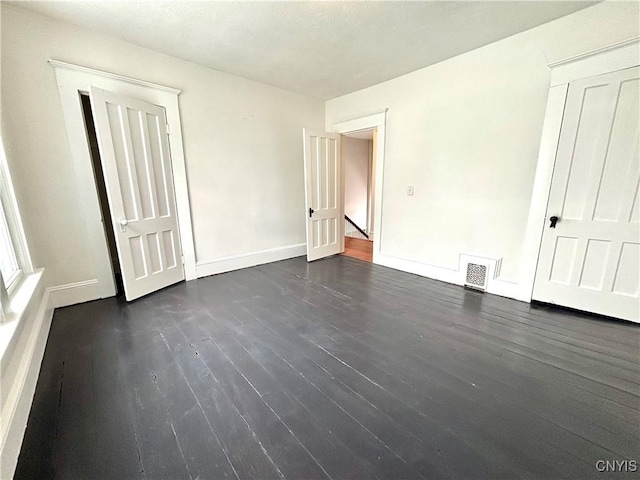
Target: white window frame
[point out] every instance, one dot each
(6, 247)
(9, 206)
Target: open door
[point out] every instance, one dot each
(323, 194)
(590, 248)
(134, 149)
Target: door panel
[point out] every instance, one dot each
(134, 150)
(589, 261)
(323, 193)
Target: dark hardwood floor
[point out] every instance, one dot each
(358, 248)
(334, 369)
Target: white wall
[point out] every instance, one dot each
(466, 132)
(242, 141)
(356, 157)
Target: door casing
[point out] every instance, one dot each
(74, 80)
(375, 121)
(576, 211)
(616, 57)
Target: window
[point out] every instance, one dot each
(8, 260)
(14, 255)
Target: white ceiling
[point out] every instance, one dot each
(321, 49)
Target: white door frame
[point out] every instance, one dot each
(377, 121)
(73, 80)
(605, 60)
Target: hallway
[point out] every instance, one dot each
(358, 248)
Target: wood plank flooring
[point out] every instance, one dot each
(338, 369)
(358, 248)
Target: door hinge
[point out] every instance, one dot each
(168, 129)
(182, 259)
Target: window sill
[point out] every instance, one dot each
(19, 302)
(13, 282)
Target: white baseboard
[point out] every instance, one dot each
(507, 289)
(244, 260)
(418, 268)
(73, 293)
(495, 286)
(15, 412)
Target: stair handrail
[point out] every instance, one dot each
(356, 226)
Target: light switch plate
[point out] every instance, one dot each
(410, 190)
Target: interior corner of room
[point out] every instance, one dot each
(510, 167)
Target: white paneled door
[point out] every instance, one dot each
(589, 258)
(134, 148)
(323, 194)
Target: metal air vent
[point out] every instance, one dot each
(476, 276)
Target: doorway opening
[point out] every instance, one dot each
(358, 156)
(98, 175)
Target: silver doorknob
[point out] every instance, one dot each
(124, 222)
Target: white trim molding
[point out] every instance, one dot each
(609, 59)
(9, 204)
(541, 187)
(495, 286)
(379, 122)
(20, 369)
(364, 122)
(74, 79)
(73, 293)
(114, 76)
(417, 267)
(251, 259)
